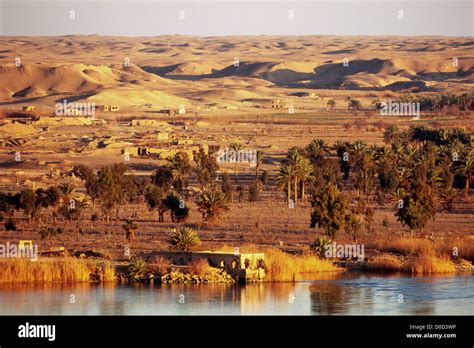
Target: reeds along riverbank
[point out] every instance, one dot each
(49, 270)
(281, 266)
(406, 256)
(425, 261)
(460, 247)
(422, 256)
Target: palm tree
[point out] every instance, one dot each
(384, 153)
(331, 104)
(258, 162)
(285, 178)
(397, 149)
(391, 134)
(358, 147)
(294, 159)
(183, 239)
(67, 191)
(437, 103)
(236, 147)
(317, 148)
(211, 204)
(466, 168)
(340, 147)
(305, 175)
(348, 100)
(373, 151)
(397, 195)
(180, 169)
(403, 175)
(444, 135)
(434, 177)
(130, 228)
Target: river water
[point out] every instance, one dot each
(348, 294)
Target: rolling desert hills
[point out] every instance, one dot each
(200, 72)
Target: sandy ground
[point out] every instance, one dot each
(267, 222)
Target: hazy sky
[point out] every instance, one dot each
(245, 17)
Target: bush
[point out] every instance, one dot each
(10, 225)
(179, 211)
(320, 245)
(48, 232)
(254, 191)
(159, 265)
(136, 269)
(211, 204)
(226, 185)
(264, 178)
(183, 239)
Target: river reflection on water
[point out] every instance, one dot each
(335, 294)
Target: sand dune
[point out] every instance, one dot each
(137, 98)
(189, 68)
(32, 80)
(226, 94)
(35, 80)
(167, 71)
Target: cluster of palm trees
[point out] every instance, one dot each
(440, 159)
(448, 153)
(296, 170)
(464, 101)
(258, 159)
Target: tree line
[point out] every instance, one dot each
(419, 170)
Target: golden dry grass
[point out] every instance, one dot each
(423, 256)
(282, 266)
(410, 246)
(18, 270)
(464, 247)
(385, 263)
(425, 262)
(429, 263)
(403, 246)
(108, 273)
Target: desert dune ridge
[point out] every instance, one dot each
(147, 73)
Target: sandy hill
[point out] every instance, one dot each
(29, 81)
(132, 97)
(188, 68)
(167, 71)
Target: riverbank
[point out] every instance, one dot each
(55, 269)
(421, 256)
(407, 257)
